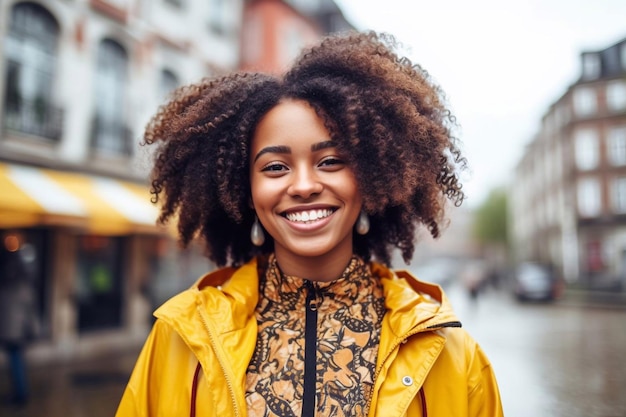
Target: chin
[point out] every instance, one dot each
(311, 252)
(313, 249)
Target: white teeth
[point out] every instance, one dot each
(311, 215)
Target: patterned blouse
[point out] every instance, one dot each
(349, 315)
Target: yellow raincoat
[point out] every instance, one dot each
(194, 362)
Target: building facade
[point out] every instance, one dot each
(275, 31)
(80, 79)
(568, 202)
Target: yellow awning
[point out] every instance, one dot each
(34, 196)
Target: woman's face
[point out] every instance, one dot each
(304, 194)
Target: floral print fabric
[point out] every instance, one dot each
(350, 312)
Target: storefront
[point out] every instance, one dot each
(99, 262)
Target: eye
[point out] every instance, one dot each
(274, 168)
(331, 162)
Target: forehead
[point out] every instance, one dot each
(290, 122)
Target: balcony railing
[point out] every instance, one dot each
(34, 117)
(111, 137)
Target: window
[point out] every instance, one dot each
(595, 256)
(585, 102)
(31, 48)
(616, 95)
(562, 115)
(610, 61)
(557, 160)
(586, 148)
(617, 145)
(175, 3)
(169, 81)
(98, 282)
(591, 66)
(110, 133)
(618, 197)
(588, 197)
(219, 16)
(308, 6)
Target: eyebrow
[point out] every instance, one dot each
(272, 149)
(323, 145)
(286, 149)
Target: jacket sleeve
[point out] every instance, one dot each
(135, 400)
(484, 395)
(156, 385)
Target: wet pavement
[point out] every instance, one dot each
(563, 359)
(559, 360)
(87, 388)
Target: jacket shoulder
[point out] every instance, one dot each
(184, 303)
(221, 276)
(225, 289)
(215, 278)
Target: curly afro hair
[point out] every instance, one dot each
(387, 117)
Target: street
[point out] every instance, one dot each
(558, 360)
(553, 360)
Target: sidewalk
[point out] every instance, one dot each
(593, 298)
(83, 389)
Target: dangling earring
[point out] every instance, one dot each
(363, 223)
(256, 234)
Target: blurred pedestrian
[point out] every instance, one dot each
(304, 184)
(18, 320)
(474, 277)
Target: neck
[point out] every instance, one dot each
(323, 268)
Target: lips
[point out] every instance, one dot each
(304, 216)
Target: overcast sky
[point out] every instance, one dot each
(501, 64)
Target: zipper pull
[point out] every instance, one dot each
(311, 297)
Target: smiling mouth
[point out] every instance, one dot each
(308, 215)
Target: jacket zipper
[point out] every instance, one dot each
(446, 324)
(399, 341)
(310, 352)
(221, 362)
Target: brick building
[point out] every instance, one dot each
(568, 199)
(275, 31)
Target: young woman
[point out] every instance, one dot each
(301, 186)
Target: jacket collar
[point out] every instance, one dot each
(230, 297)
(413, 305)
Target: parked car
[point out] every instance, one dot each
(534, 281)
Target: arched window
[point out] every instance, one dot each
(31, 52)
(111, 134)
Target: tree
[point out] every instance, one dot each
(490, 222)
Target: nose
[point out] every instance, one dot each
(305, 183)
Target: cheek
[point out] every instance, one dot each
(256, 196)
(261, 192)
(351, 189)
